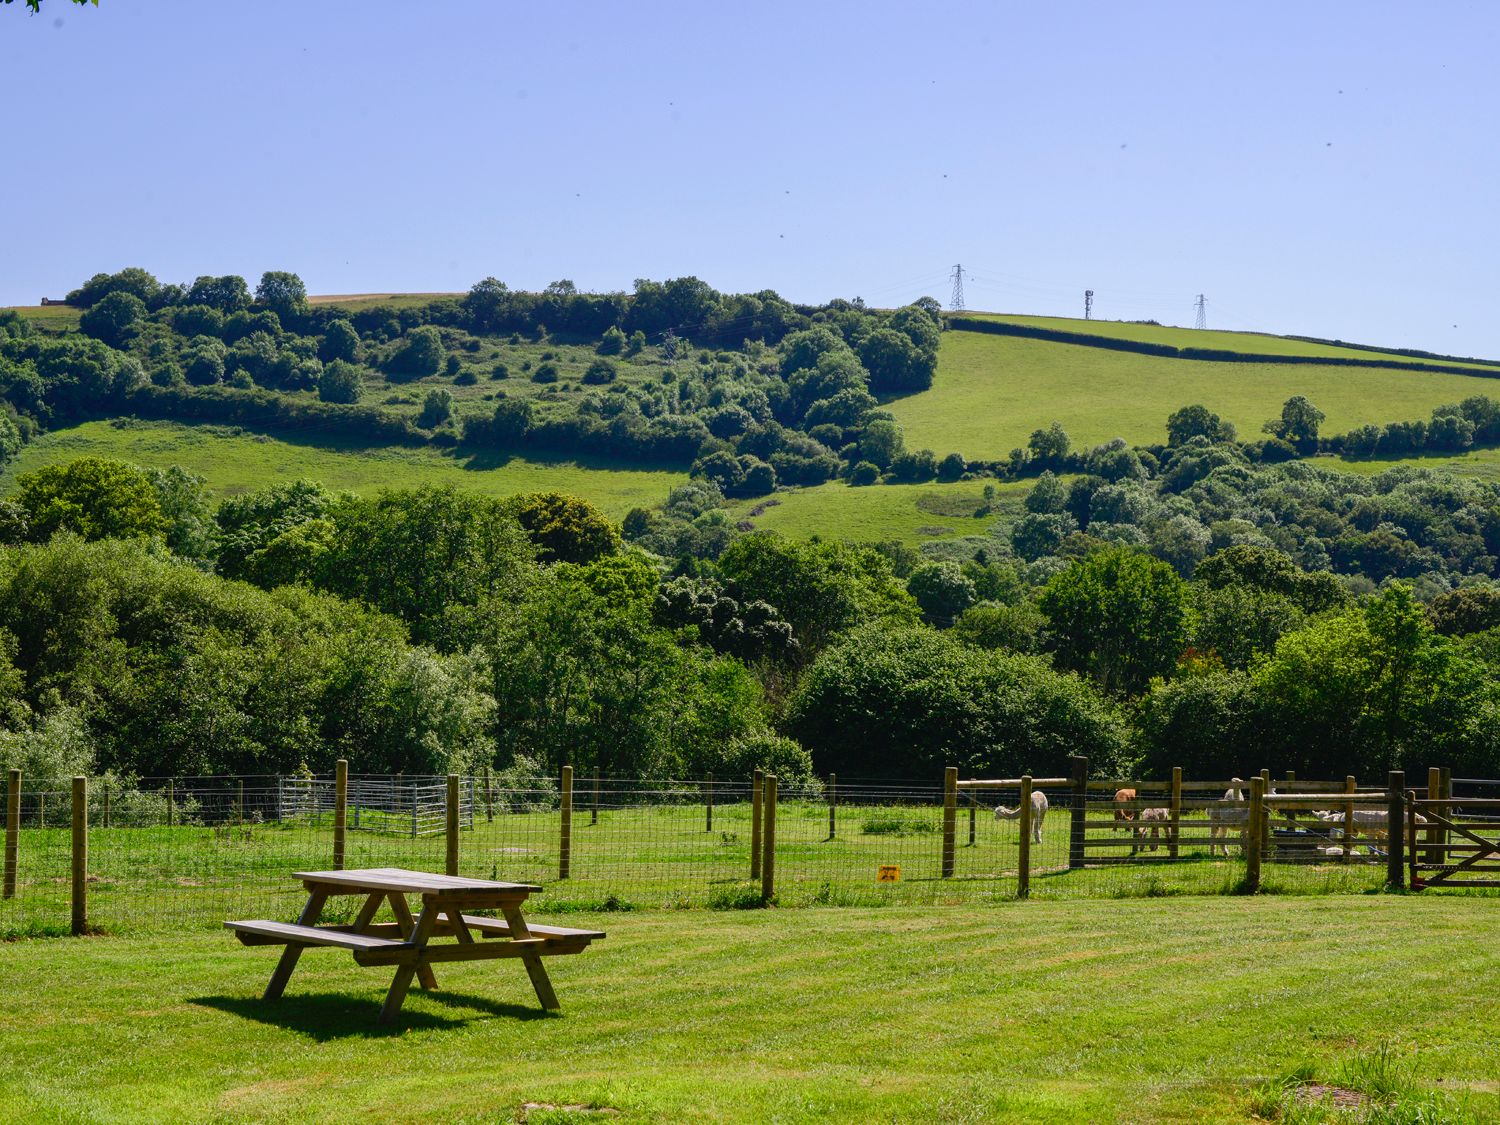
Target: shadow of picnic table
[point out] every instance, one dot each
(337, 1015)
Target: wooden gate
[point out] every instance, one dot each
(1455, 844)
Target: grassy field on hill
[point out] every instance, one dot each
(1139, 1011)
(1251, 343)
(992, 391)
(913, 513)
(234, 461)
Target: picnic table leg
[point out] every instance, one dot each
(533, 961)
(402, 980)
(368, 910)
(425, 976)
(309, 917)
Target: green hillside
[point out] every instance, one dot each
(990, 392)
(234, 461)
(1248, 343)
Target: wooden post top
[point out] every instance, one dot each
(402, 881)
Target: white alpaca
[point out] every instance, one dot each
(1373, 823)
(1038, 813)
(1221, 819)
(1150, 818)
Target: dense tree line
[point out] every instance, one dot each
(148, 630)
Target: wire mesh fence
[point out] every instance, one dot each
(190, 851)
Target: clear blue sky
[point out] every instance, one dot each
(1325, 168)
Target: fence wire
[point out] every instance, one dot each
(191, 851)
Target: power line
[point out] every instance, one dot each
(1201, 321)
(956, 303)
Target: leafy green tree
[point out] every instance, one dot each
(487, 303)
(612, 342)
(1119, 617)
(896, 365)
(227, 294)
(10, 438)
(752, 631)
(906, 701)
(1469, 609)
(1240, 623)
(1038, 534)
(340, 341)
(600, 372)
(941, 590)
(881, 443)
(1209, 723)
(419, 355)
(820, 589)
(132, 280)
(589, 679)
(283, 293)
(1049, 446)
(1197, 421)
(433, 557)
(341, 382)
(1048, 495)
(1019, 628)
(1298, 423)
(185, 502)
(437, 408)
(249, 523)
(565, 528)
(92, 497)
(115, 319)
(1371, 689)
(1270, 570)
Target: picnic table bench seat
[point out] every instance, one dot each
(258, 931)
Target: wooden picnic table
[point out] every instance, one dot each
(404, 942)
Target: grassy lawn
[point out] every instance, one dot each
(1143, 1011)
(235, 461)
(992, 391)
(1251, 343)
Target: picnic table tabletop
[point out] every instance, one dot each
(402, 881)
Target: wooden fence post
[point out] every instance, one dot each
(1434, 793)
(950, 817)
(1023, 870)
(239, 811)
(1349, 787)
(757, 799)
(1255, 834)
(594, 812)
(1176, 811)
(169, 802)
(1080, 767)
(489, 796)
(450, 826)
(80, 856)
(708, 825)
(1446, 776)
(833, 801)
(973, 813)
(1265, 823)
(105, 794)
(12, 830)
(340, 810)
(565, 860)
(1395, 837)
(768, 862)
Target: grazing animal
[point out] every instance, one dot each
(1153, 818)
(1373, 823)
(1124, 814)
(1221, 819)
(1038, 813)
